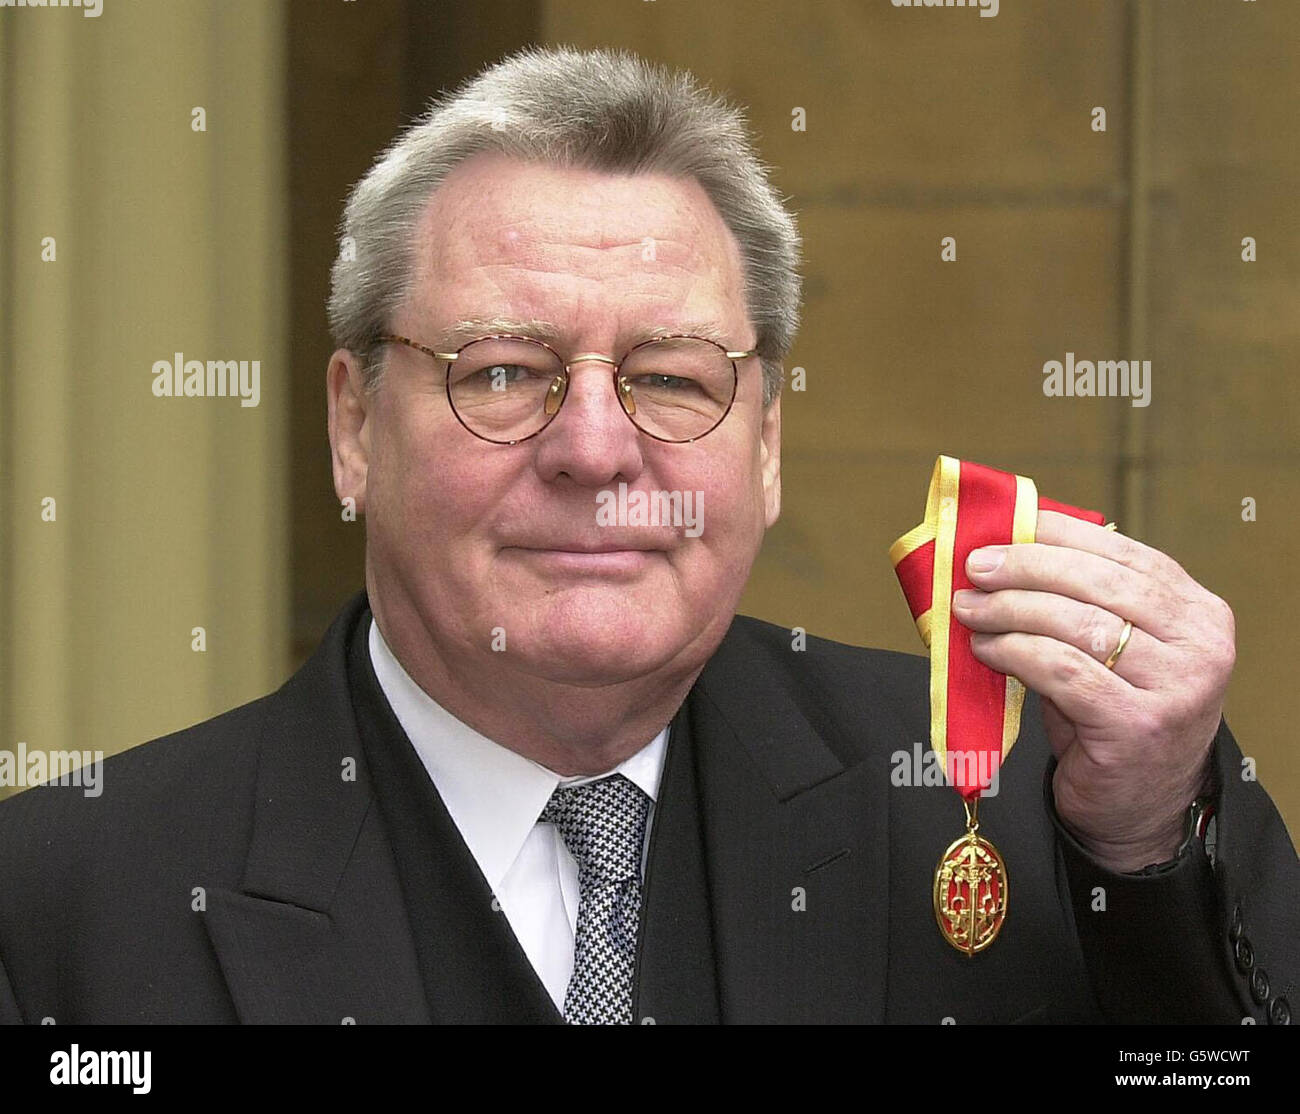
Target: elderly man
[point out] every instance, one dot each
(539, 770)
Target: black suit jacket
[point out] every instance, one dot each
(290, 861)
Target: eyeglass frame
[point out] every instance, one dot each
(451, 357)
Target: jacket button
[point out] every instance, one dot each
(1279, 1013)
(1234, 929)
(1259, 986)
(1245, 956)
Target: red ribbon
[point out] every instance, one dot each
(974, 710)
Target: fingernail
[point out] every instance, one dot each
(985, 560)
(967, 599)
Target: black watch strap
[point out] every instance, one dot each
(1200, 827)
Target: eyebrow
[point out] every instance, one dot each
(470, 328)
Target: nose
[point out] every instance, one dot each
(590, 440)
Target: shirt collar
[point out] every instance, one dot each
(461, 762)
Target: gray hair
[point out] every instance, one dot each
(606, 110)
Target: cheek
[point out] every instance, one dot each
(398, 466)
(422, 486)
(733, 512)
(738, 476)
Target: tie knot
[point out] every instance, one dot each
(602, 824)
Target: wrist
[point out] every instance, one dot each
(1157, 845)
(1131, 857)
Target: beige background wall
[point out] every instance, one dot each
(920, 124)
(170, 513)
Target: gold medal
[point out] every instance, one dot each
(970, 889)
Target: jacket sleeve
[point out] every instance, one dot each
(1206, 939)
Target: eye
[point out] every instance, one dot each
(661, 381)
(500, 376)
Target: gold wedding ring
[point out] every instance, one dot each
(1125, 634)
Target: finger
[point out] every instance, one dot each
(1059, 529)
(1149, 602)
(1092, 629)
(1060, 731)
(1086, 692)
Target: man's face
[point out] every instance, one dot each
(467, 539)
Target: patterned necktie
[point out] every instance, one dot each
(603, 824)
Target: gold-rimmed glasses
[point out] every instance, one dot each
(506, 388)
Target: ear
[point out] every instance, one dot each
(770, 460)
(349, 427)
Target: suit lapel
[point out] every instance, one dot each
(676, 981)
(473, 968)
(796, 845)
(317, 932)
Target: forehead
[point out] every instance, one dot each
(588, 250)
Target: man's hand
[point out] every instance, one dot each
(1132, 742)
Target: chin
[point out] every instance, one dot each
(604, 636)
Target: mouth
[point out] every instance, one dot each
(612, 557)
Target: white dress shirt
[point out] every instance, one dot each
(495, 796)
